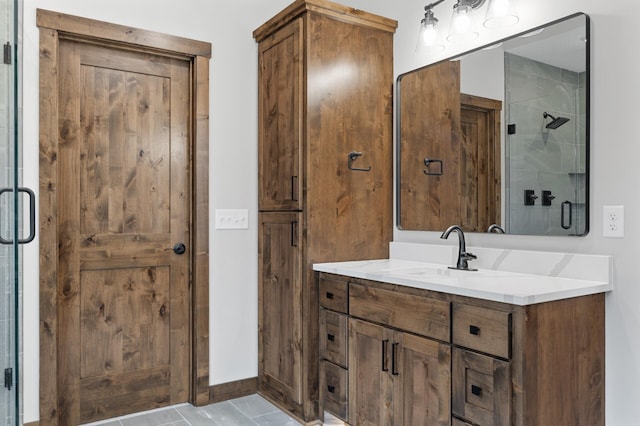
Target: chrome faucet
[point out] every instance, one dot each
(463, 256)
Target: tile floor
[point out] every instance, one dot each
(249, 410)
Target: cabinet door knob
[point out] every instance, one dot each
(329, 295)
(331, 389)
(474, 330)
(331, 337)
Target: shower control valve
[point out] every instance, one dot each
(530, 197)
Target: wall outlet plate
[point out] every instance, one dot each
(232, 219)
(613, 221)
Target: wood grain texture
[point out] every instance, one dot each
(333, 337)
(200, 235)
(481, 329)
(338, 113)
(429, 127)
(123, 34)
(481, 388)
(132, 160)
(328, 8)
(84, 138)
(467, 140)
(421, 315)
(563, 366)
(333, 293)
(232, 390)
(334, 389)
(48, 223)
(280, 61)
(280, 303)
(553, 375)
(480, 156)
(422, 393)
(370, 384)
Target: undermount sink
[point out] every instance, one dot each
(436, 270)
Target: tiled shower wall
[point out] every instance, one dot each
(545, 159)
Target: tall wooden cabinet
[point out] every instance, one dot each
(325, 175)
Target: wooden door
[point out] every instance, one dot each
(280, 303)
(429, 128)
(479, 159)
(370, 379)
(123, 173)
(280, 59)
(422, 395)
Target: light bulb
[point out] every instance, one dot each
(500, 13)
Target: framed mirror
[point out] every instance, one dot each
(499, 136)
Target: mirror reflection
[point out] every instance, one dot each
(499, 136)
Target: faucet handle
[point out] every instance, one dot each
(469, 256)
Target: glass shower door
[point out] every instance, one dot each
(10, 217)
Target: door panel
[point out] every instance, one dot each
(280, 138)
(123, 342)
(479, 159)
(430, 201)
(423, 394)
(370, 380)
(280, 305)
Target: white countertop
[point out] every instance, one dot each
(500, 286)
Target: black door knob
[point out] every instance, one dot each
(179, 248)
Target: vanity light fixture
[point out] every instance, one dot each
(500, 13)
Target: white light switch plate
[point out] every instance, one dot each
(232, 219)
(613, 221)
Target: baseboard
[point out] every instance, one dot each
(232, 390)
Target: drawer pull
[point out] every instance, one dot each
(331, 389)
(394, 359)
(329, 295)
(331, 337)
(477, 391)
(474, 330)
(385, 343)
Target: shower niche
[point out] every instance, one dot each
(530, 109)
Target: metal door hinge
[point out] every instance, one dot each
(7, 53)
(8, 378)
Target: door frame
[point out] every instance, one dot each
(53, 27)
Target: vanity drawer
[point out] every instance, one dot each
(333, 337)
(333, 293)
(416, 314)
(485, 330)
(481, 388)
(333, 384)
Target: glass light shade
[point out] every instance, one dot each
(461, 25)
(428, 37)
(500, 13)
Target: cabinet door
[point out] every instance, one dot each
(280, 304)
(370, 379)
(349, 110)
(422, 395)
(279, 140)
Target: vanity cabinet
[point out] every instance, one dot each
(418, 356)
(325, 83)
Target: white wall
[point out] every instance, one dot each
(228, 25)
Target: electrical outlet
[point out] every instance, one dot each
(232, 219)
(613, 221)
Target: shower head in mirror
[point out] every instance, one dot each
(556, 121)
